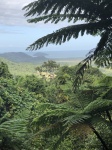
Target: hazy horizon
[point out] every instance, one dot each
(17, 34)
(55, 54)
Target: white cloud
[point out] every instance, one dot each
(11, 12)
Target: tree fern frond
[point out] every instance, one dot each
(75, 119)
(98, 106)
(55, 18)
(103, 52)
(15, 129)
(51, 116)
(51, 106)
(99, 120)
(102, 43)
(102, 56)
(15, 125)
(61, 35)
(83, 66)
(70, 6)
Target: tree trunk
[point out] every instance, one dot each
(99, 137)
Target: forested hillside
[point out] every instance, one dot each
(28, 68)
(60, 107)
(46, 113)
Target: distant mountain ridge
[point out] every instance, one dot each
(23, 57)
(37, 57)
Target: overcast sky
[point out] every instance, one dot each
(16, 34)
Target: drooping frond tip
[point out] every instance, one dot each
(82, 67)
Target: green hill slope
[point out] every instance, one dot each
(22, 57)
(20, 68)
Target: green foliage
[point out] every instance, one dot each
(50, 66)
(107, 81)
(47, 115)
(13, 134)
(4, 72)
(105, 131)
(19, 69)
(83, 112)
(34, 84)
(14, 102)
(13, 98)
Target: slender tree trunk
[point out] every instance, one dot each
(99, 137)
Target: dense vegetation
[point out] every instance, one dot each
(27, 68)
(41, 113)
(56, 113)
